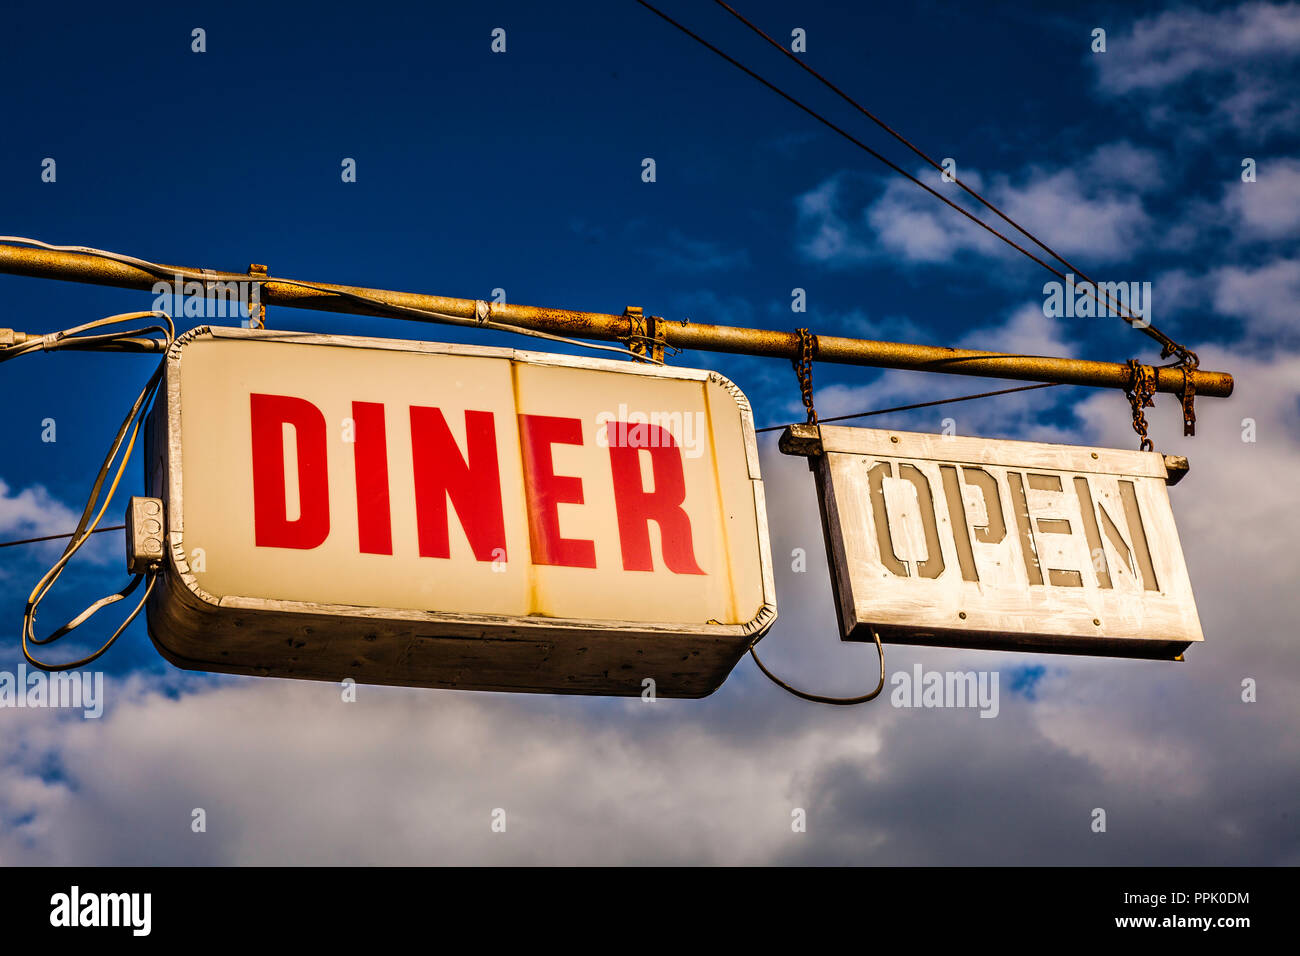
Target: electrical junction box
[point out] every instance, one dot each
(144, 534)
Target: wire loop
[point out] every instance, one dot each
(818, 698)
(87, 525)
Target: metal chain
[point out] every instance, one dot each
(803, 369)
(1140, 391)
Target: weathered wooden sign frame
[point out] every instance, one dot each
(1059, 548)
(250, 633)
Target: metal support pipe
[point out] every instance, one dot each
(328, 297)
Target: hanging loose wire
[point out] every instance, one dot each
(123, 443)
(803, 372)
(818, 698)
(57, 537)
(915, 405)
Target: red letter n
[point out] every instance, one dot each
(473, 483)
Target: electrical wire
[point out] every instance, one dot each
(1168, 345)
(387, 308)
(72, 339)
(908, 408)
(818, 698)
(123, 442)
(56, 537)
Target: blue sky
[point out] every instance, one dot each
(522, 171)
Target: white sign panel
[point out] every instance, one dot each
(969, 542)
(405, 512)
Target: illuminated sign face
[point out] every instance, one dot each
(1000, 544)
(600, 513)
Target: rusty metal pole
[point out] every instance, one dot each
(328, 297)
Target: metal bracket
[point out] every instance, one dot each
(1176, 466)
(645, 338)
(482, 312)
(257, 272)
(1189, 401)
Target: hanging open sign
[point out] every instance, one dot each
(968, 542)
(453, 516)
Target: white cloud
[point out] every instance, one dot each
(1268, 208)
(1095, 212)
(33, 512)
(1264, 297)
(1123, 164)
(1236, 50)
(1172, 46)
(287, 771)
(826, 235)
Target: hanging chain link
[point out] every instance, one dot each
(803, 369)
(1189, 365)
(1140, 391)
(1189, 362)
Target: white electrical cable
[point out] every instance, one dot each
(87, 526)
(70, 338)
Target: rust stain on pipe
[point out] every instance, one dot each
(328, 297)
